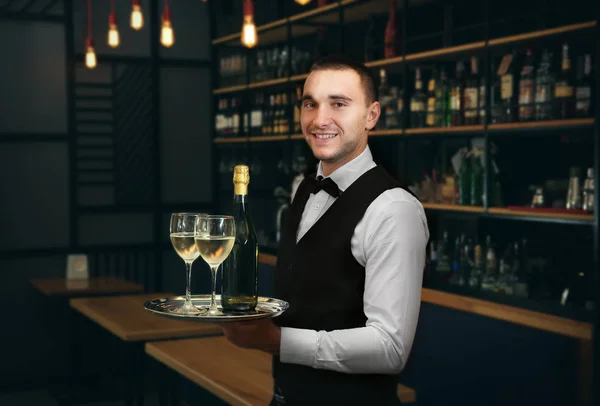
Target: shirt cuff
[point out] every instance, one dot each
(298, 346)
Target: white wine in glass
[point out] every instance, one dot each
(214, 236)
(182, 237)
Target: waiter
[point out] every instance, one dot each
(350, 262)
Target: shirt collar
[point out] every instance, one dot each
(345, 175)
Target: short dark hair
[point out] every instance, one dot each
(340, 62)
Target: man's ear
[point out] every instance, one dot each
(373, 115)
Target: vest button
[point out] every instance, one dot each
(289, 267)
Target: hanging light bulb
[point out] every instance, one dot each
(137, 19)
(90, 54)
(303, 2)
(167, 37)
(249, 36)
(113, 32)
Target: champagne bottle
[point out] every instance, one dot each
(240, 270)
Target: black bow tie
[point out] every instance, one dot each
(326, 184)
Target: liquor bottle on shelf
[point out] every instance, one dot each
(391, 32)
(228, 127)
(418, 103)
(456, 96)
(588, 191)
(277, 116)
(564, 105)
(297, 124)
(477, 178)
(490, 276)
(319, 51)
(574, 191)
(387, 100)
(508, 90)
(442, 100)
(219, 119)
(284, 119)
(444, 269)
(495, 94)
(471, 95)
(544, 88)
(431, 95)
(235, 116)
(583, 92)
(256, 115)
(527, 88)
(474, 281)
(464, 179)
(240, 270)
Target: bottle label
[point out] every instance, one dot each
(504, 65)
(563, 90)
(471, 98)
(455, 99)
(417, 106)
(431, 111)
(526, 98)
(256, 118)
(482, 101)
(583, 95)
(431, 85)
(506, 91)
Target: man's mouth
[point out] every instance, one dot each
(324, 136)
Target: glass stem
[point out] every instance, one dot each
(213, 302)
(188, 277)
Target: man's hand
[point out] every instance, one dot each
(261, 335)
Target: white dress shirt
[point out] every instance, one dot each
(390, 242)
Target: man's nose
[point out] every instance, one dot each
(322, 117)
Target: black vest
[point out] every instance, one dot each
(324, 286)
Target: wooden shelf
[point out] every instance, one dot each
(453, 207)
(512, 314)
(297, 78)
(542, 33)
(297, 137)
(393, 131)
(230, 89)
(265, 83)
(557, 216)
(384, 62)
(574, 122)
(267, 138)
(230, 140)
(529, 318)
(445, 130)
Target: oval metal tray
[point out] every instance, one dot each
(171, 307)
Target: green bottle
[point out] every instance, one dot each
(477, 179)
(240, 269)
(464, 181)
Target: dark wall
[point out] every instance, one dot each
(39, 223)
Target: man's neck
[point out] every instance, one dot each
(330, 167)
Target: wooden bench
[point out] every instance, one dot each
(238, 376)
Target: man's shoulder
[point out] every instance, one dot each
(392, 201)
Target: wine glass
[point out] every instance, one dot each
(214, 236)
(182, 237)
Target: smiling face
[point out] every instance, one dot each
(336, 117)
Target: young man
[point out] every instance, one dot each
(351, 258)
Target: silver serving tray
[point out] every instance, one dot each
(171, 307)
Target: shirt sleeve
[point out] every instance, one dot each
(392, 246)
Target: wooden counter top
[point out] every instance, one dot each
(541, 321)
(125, 317)
(82, 287)
(238, 376)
